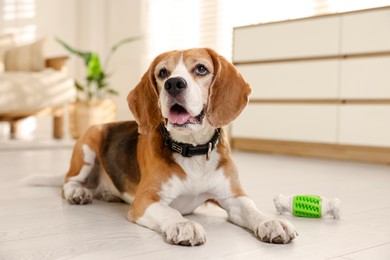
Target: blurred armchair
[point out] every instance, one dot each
(31, 84)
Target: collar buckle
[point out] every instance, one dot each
(209, 151)
(177, 148)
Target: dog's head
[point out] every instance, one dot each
(188, 90)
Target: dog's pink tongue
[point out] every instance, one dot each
(176, 117)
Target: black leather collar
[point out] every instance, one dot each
(188, 150)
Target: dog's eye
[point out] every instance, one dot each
(201, 70)
(163, 73)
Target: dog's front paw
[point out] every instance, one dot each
(186, 234)
(276, 231)
(76, 194)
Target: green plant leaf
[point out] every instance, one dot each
(102, 85)
(89, 95)
(96, 85)
(78, 86)
(116, 47)
(112, 92)
(94, 68)
(85, 55)
(124, 41)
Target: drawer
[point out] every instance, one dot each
(366, 78)
(301, 38)
(312, 123)
(366, 31)
(309, 79)
(365, 125)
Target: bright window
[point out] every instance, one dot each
(181, 24)
(18, 17)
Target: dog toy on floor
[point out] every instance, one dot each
(309, 206)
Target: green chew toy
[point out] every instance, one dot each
(309, 206)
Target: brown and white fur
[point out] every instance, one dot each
(128, 160)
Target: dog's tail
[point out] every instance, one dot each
(44, 180)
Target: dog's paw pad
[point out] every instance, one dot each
(186, 234)
(276, 231)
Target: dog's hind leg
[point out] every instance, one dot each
(84, 166)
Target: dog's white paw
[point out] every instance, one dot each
(276, 231)
(76, 194)
(186, 234)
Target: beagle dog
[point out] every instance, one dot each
(176, 155)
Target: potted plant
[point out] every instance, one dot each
(93, 104)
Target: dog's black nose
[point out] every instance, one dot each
(175, 85)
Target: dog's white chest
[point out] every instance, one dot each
(203, 182)
(187, 203)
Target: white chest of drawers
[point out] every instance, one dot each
(321, 86)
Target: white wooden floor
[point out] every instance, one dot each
(35, 223)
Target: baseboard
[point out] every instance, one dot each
(319, 150)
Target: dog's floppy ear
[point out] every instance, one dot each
(228, 93)
(143, 102)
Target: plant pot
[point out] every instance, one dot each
(85, 114)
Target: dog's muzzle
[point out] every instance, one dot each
(178, 115)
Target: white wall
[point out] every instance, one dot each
(124, 19)
(57, 18)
